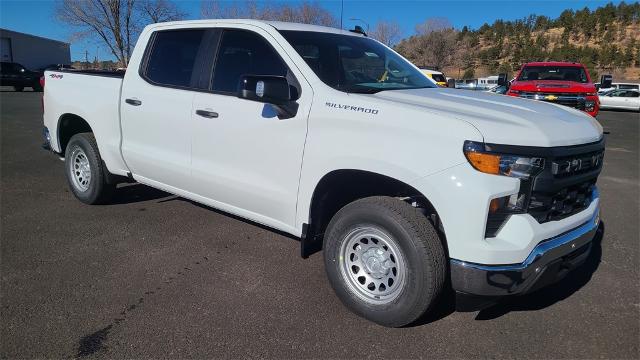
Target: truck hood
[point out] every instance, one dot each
(504, 119)
(553, 86)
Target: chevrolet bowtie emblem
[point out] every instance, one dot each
(551, 97)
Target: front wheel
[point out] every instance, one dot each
(384, 260)
(85, 171)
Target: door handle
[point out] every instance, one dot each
(134, 102)
(207, 113)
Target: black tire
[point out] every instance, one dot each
(418, 242)
(97, 190)
(18, 88)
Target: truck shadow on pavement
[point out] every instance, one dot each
(554, 293)
(134, 193)
(538, 300)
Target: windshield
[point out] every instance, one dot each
(563, 73)
(355, 64)
(438, 78)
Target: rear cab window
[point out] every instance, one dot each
(172, 58)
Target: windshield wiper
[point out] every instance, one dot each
(357, 89)
(360, 89)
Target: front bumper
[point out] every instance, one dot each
(549, 261)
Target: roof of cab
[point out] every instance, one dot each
(279, 25)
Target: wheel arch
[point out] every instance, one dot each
(340, 187)
(68, 125)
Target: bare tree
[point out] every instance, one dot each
(433, 24)
(160, 10)
(436, 48)
(306, 12)
(116, 23)
(387, 32)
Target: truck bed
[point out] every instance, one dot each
(107, 73)
(93, 96)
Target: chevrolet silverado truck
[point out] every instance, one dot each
(563, 83)
(410, 190)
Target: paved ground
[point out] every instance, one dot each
(157, 276)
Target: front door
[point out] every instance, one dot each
(245, 159)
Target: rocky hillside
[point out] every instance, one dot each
(607, 40)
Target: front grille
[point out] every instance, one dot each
(573, 100)
(561, 204)
(564, 187)
(575, 165)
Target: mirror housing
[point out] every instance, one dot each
(274, 90)
(606, 81)
(502, 80)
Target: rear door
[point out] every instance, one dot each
(156, 105)
(245, 159)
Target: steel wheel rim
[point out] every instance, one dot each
(372, 265)
(80, 169)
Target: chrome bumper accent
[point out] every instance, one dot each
(546, 263)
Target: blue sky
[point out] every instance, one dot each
(36, 16)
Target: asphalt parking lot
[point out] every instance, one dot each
(153, 275)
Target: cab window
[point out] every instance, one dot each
(243, 52)
(173, 56)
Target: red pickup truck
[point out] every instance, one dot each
(564, 83)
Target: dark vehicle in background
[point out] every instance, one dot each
(564, 83)
(16, 75)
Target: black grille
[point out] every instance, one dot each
(566, 202)
(563, 188)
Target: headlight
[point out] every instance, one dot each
(516, 166)
(485, 161)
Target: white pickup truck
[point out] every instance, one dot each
(409, 189)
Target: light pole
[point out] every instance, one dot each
(362, 21)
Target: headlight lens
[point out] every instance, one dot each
(516, 166)
(521, 167)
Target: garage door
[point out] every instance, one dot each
(5, 53)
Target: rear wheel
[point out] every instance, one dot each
(384, 260)
(85, 171)
(18, 88)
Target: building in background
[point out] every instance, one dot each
(32, 52)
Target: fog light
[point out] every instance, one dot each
(589, 106)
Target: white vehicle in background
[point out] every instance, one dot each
(487, 83)
(621, 86)
(409, 190)
(620, 99)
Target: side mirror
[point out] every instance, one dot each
(451, 83)
(502, 80)
(605, 81)
(274, 90)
